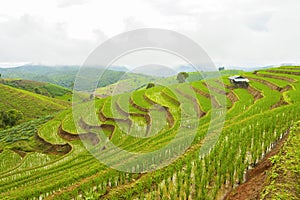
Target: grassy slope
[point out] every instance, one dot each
(43, 88)
(284, 177)
(30, 104)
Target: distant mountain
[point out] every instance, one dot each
(155, 70)
(190, 68)
(185, 68)
(118, 68)
(65, 76)
(162, 71)
(247, 69)
(289, 64)
(61, 75)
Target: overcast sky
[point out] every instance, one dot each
(232, 32)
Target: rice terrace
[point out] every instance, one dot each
(49, 152)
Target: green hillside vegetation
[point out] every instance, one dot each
(29, 104)
(43, 88)
(284, 178)
(63, 76)
(60, 75)
(146, 120)
(138, 81)
(127, 84)
(194, 76)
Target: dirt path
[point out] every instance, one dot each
(255, 178)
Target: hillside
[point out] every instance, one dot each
(127, 84)
(137, 81)
(43, 88)
(209, 132)
(60, 75)
(63, 76)
(31, 105)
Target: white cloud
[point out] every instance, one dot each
(68, 3)
(29, 39)
(246, 32)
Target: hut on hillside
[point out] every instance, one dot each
(239, 81)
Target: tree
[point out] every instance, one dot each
(150, 85)
(10, 118)
(92, 96)
(37, 90)
(182, 76)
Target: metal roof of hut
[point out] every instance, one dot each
(238, 78)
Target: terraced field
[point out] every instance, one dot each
(184, 118)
